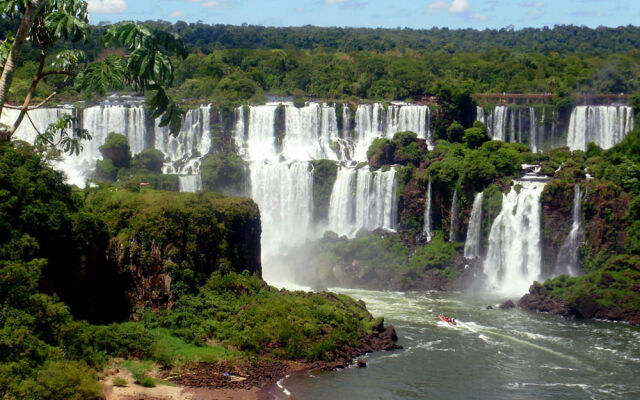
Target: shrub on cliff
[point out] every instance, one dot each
(116, 148)
(150, 160)
(324, 176)
(224, 172)
(381, 152)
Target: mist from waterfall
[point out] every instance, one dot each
(513, 259)
(472, 243)
(190, 183)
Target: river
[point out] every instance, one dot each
(493, 354)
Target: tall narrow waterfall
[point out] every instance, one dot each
(427, 229)
(472, 243)
(480, 114)
(533, 134)
(603, 125)
(363, 199)
(497, 123)
(568, 256)
(513, 259)
(453, 228)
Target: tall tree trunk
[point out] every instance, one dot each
(33, 8)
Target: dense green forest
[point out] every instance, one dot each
(250, 63)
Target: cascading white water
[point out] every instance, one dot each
(309, 132)
(40, 117)
(513, 258)
(190, 183)
(362, 199)
(533, 134)
(497, 123)
(367, 129)
(604, 125)
(185, 151)
(472, 243)
(427, 228)
(480, 114)
(373, 122)
(453, 226)
(567, 261)
(284, 193)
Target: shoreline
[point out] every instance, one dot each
(245, 379)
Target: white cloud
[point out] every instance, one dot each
(209, 4)
(177, 14)
(334, 1)
(459, 6)
(438, 4)
(107, 6)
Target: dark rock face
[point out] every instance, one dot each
(605, 212)
(381, 338)
(507, 305)
(582, 307)
(191, 240)
(556, 219)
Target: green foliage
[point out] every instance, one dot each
(225, 172)
(105, 170)
(147, 382)
(60, 380)
(116, 148)
(381, 152)
(119, 382)
(436, 254)
(325, 173)
(243, 311)
(475, 136)
(151, 160)
(455, 132)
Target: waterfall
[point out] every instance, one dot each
(513, 258)
(533, 137)
(567, 261)
(190, 183)
(472, 243)
(284, 193)
(498, 123)
(480, 114)
(373, 122)
(454, 217)
(427, 229)
(309, 132)
(604, 125)
(363, 199)
(99, 121)
(41, 118)
(342, 215)
(185, 151)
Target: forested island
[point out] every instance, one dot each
(325, 157)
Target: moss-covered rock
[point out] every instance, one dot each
(164, 244)
(325, 173)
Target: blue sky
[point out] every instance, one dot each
(376, 13)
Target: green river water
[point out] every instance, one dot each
(493, 354)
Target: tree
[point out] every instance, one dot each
(146, 66)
